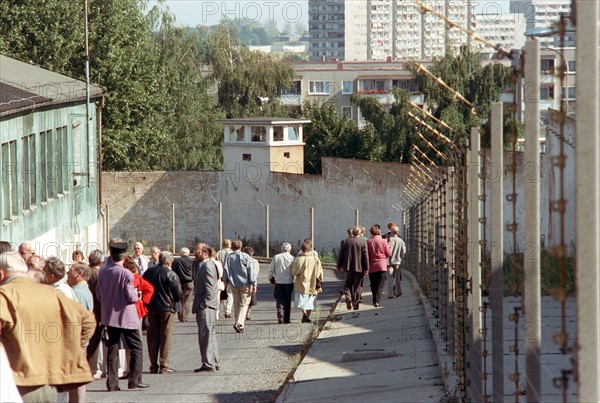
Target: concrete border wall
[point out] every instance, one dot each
(140, 203)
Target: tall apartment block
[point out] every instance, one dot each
(543, 14)
(504, 29)
(360, 30)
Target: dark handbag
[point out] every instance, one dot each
(272, 280)
(319, 284)
(223, 295)
(104, 335)
(145, 323)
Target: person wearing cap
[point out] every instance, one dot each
(118, 298)
(41, 362)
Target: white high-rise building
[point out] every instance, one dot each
(544, 14)
(506, 30)
(377, 29)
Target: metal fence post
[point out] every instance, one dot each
(474, 256)
(268, 244)
(450, 248)
(173, 225)
(220, 224)
(497, 251)
(588, 199)
(531, 251)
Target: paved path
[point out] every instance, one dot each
(254, 365)
(346, 362)
(374, 354)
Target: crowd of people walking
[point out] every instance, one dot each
(378, 257)
(109, 302)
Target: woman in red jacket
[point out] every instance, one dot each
(379, 251)
(143, 288)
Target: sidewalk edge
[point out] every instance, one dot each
(444, 360)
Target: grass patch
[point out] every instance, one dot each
(328, 257)
(550, 273)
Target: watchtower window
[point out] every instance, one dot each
(292, 133)
(259, 134)
(236, 133)
(277, 133)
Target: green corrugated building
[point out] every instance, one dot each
(48, 160)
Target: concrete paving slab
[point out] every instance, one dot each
(254, 365)
(398, 325)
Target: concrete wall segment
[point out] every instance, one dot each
(140, 203)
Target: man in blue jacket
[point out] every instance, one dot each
(239, 275)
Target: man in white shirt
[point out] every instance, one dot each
(140, 259)
(55, 276)
(280, 274)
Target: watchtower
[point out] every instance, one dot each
(263, 144)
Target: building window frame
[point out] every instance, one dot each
(347, 112)
(546, 93)
(278, 133)
(347, 87)
(29, 174)
(10, 172)
(258, 134)
(319, 87)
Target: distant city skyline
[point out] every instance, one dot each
(210, 12)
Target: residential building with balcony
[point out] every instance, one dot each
(336, 81)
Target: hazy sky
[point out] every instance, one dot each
(210, 12)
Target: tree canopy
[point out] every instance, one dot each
(464, 73)
(161, 109)
(394, 127)
(333, 135)
(167, 86)
(242, 75)
(390, 133)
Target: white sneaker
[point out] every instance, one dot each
(98, 374)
